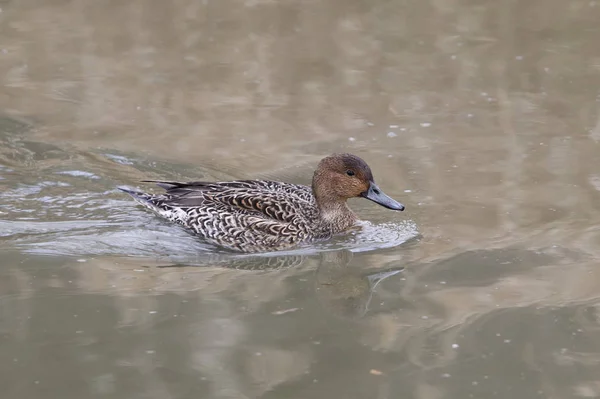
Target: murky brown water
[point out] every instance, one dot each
(482, 117)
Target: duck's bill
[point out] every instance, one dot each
(375, 194)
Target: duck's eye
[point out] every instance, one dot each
(350, 172)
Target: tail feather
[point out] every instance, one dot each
(141, 197)
(158, 204)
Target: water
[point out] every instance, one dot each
(481, 118)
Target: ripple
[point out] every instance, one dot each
(78, 173)
(119, 159)
(374, 236)
(155, 238)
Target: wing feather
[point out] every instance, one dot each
(248, 215)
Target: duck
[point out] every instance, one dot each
(252, 216)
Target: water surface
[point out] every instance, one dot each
(481, 117)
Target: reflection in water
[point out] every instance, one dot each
(118, 322)
(347, 290)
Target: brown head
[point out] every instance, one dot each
(342, 176)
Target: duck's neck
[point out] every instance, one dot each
(338, 216)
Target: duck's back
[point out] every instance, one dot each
(244, 215)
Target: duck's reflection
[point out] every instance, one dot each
(344, 285)
(245, 262)
(346, 289)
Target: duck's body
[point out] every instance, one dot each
(245, 215)
(259, 215)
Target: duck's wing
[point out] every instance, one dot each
(260, 186)
(277, 201)
(247, 215)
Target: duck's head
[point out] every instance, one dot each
(342, 176)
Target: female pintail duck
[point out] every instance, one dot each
(260, 216)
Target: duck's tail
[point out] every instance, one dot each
(158, 204)
(138, 195)
(145, 199)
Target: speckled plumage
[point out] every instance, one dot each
(259, 215)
